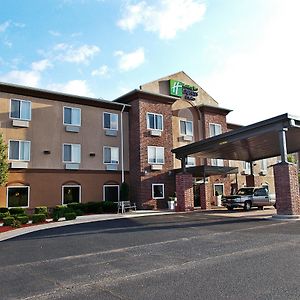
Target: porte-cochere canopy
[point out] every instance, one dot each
(269, 138)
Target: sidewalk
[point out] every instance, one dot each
(80, 220)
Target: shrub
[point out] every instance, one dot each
(59, 212)
(4, 215)
(75, 206)
(93, 208)
(8, 221)
(17, 211)
(70, 216)
(22, 219)
(3, 210)
(38, 218)
(41, 210)
(78, 212)
(109, 206)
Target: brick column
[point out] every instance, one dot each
(205, 196)
(287, 190)
(184, 192)
(250, 180)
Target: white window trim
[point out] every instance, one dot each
(21, 100)
(69, 185)
(109, 113)
(111, 185)
(190, 165)
(215, 187)
(111, 163)
(154, 184)
(18, 186)
(264, 165)
(148, 123)
(185, 120)
(63, 152)
(215, 124)
(156, 163)
(246, 166)
(218, 160)
(71, 107)
(19, 149)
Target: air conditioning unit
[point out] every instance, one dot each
(20, 123)
(156, 167)
(245, 172)
(109, 132)
(19, 165)
(187, 138)
(71, 128)
(111, 167)
(263, 173)
(155, 132)
(72, 166)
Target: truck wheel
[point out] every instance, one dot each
(247, 205)
(230, 208)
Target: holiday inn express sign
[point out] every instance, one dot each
(179, 89)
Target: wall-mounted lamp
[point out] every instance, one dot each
(92, 154)
(47, 151)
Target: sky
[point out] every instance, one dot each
(244, 53)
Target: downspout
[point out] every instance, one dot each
(122, 146)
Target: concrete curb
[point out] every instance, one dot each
(79, 220)
(286, 217)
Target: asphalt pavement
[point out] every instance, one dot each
(178, 256)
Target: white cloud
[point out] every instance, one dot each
(54, 33)
(75, 87)
(4, 26)
(166, 17)
(264, 81)
(68, 53)
(132, 60)
(102, 71)
(28, 78)
(40, 65)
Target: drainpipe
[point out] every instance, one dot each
(122, 146)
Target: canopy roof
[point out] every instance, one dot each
(248, 143)
(206, 171)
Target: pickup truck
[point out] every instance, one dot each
(248, 197)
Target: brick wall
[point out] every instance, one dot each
(142, 177)
(184, 190)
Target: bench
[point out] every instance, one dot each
(123, 205)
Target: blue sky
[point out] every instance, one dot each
(244, 53)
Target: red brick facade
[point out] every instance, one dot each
(287, 189)
(184, 191)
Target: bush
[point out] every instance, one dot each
(17, 211)
(41, 210)
(3, 210)
(38, 218)
(78, 212)
(70, 216)
(93, 208)
(76, 206)
(8, 221)
(22, 219)
(109, 207)
(4, 215)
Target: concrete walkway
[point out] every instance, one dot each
(80, 220)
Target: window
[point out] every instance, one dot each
(218, 189)
(18, 196)
(158, 191)
(247, 167)
(110, 121)
(217, 162)
(190, 161)
(19, 150)
(186, 127)
(111, 193)
(20, 109)
(71, 153)
(154, 121)
(111, 155)
(71, 194)
(156, 155)
(214, 129)
(264, 165)
(72, 116)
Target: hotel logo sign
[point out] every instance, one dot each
(180, 89)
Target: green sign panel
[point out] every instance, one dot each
(179, 89)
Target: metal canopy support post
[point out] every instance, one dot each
(283, 148)
(183, 164)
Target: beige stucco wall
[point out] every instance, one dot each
(47, 132)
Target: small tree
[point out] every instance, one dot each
(3, 162)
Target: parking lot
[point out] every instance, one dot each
(197, 255)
